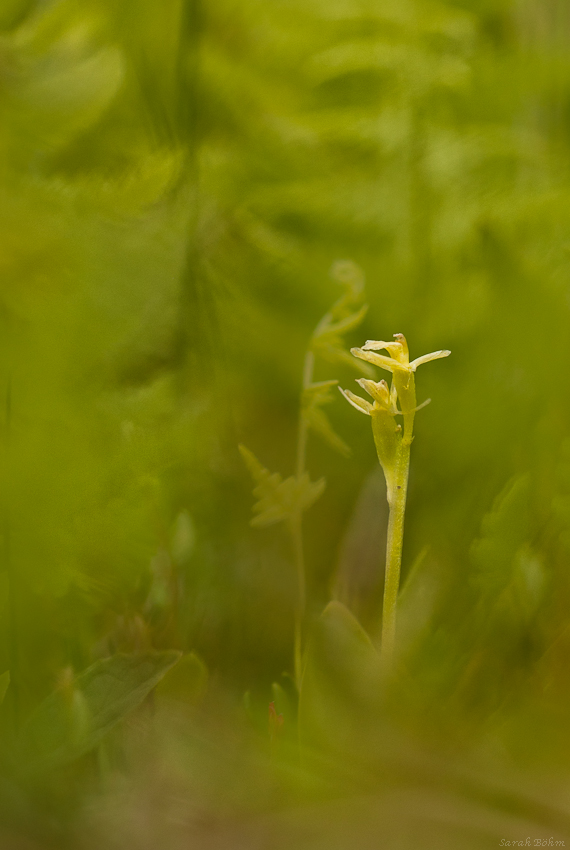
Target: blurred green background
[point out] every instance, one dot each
(177, 180)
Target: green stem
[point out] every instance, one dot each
(397, 493)
(14, 659)
(297, 538)
(296, 525)
(303, 431)
(394, 550)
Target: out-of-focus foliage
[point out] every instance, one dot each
(277, 499)
(180, 186)
(75, 718)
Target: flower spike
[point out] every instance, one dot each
(393, 448)
(399, 364)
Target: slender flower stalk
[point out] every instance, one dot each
(393, 448)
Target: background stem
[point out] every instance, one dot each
(296, 524)
(297, 538)
(303, 431)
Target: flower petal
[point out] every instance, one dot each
(379, 360)
(379, 344)
(377, 389)
(394, 348)
(359, 403)
(425, 358)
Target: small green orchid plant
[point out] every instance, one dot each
(393, 448)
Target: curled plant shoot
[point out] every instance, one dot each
(287, 500)
(393, 448)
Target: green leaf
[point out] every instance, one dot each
(72, 721)
(417, 603)
(360, 577)
(342, 670)
(344, 639)
(279, 500)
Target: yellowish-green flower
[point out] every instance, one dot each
(387, 433)
(403, 371)
(399, 360)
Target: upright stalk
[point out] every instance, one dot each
(13, 597)
(397, 493)
(296, 531)
(303, 429)
(394, 550)
(296, 525)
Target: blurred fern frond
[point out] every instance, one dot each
(279, 499)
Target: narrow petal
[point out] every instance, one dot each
(379, 360)
(425, 358)
(360, 404)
